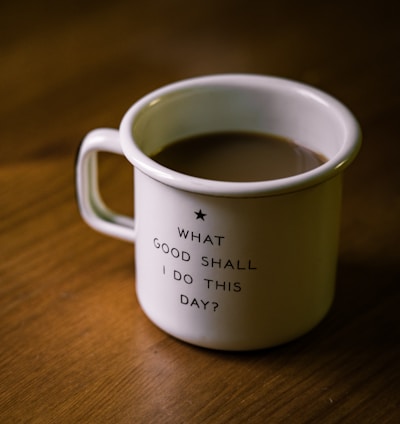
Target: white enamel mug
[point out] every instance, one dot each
(228, 265)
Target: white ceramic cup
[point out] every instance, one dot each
(228, 265)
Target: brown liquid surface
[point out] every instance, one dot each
(238, 156)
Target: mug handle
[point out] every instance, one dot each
(91, 206)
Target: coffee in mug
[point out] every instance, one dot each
(238, 156)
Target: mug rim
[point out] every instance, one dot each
(329, 169)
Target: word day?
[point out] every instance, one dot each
(199, 303)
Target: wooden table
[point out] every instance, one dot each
(74, 345)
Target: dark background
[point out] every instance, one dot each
(74, 345)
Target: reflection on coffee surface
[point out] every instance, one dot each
(238, 156)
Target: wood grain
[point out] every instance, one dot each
(74, 344)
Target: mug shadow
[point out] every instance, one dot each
(364, 317)
(363, 320)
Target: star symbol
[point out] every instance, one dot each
(200, 214)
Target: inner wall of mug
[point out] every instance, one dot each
(293, 115)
